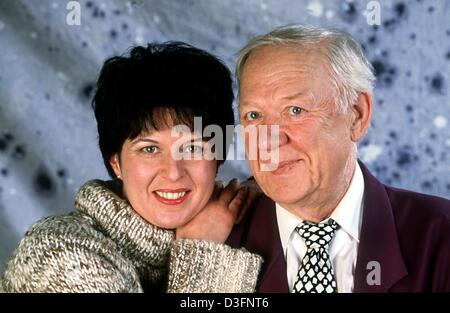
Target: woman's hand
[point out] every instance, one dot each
(215, 221)
(254, 192)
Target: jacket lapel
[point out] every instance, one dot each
(378, 240)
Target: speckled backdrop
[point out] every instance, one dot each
(48, 144)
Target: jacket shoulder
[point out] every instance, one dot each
(405, 202)
(67, 254)
(423, 227)
(421, 218)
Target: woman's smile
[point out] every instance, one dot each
(171, 196)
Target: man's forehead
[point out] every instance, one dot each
(290, 68)
(291, 72)
(313, 53)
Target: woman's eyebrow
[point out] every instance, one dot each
(139, 139)
(193, 140)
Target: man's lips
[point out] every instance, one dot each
(171, 196)
(284, 167)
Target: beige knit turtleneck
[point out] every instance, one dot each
(105, 246)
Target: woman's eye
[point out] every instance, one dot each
(150, 149)
(295, 110)
(193, 149)
(252, 115)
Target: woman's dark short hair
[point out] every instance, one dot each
(174, 76)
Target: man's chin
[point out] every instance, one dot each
(284, 199)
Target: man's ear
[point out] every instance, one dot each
(115, 164)
(362, 113)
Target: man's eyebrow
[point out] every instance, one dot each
(246, 103)
(288, 98)
(294, 96)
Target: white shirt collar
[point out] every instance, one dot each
(287, 222)
(347, 213)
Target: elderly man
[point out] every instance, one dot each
(327, 224)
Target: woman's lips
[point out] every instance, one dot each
(171, 196)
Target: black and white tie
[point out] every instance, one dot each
(315, 274)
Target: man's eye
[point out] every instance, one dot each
(295, 110)
(252, 115)
(150, 149)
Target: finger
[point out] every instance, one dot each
(236, 205)
(229, 192)
(251, 196)
(250, 182)
(218, 187)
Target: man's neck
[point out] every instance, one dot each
(319, 205)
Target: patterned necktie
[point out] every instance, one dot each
(315, 274)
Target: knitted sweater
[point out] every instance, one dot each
(105, 246)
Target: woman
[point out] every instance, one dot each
(141, 231)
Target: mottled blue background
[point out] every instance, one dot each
(48, 144)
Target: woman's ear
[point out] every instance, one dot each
(362, 113)
(115, 164)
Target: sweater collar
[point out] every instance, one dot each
(143, 243)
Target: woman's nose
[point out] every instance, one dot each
(173, 170)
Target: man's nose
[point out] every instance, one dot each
(271, 136)
(173, 169)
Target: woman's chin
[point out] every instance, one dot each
(167, 222)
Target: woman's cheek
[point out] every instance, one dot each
(206, 180)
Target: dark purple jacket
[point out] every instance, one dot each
(407, 233)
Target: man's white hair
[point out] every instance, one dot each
(351, 72)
